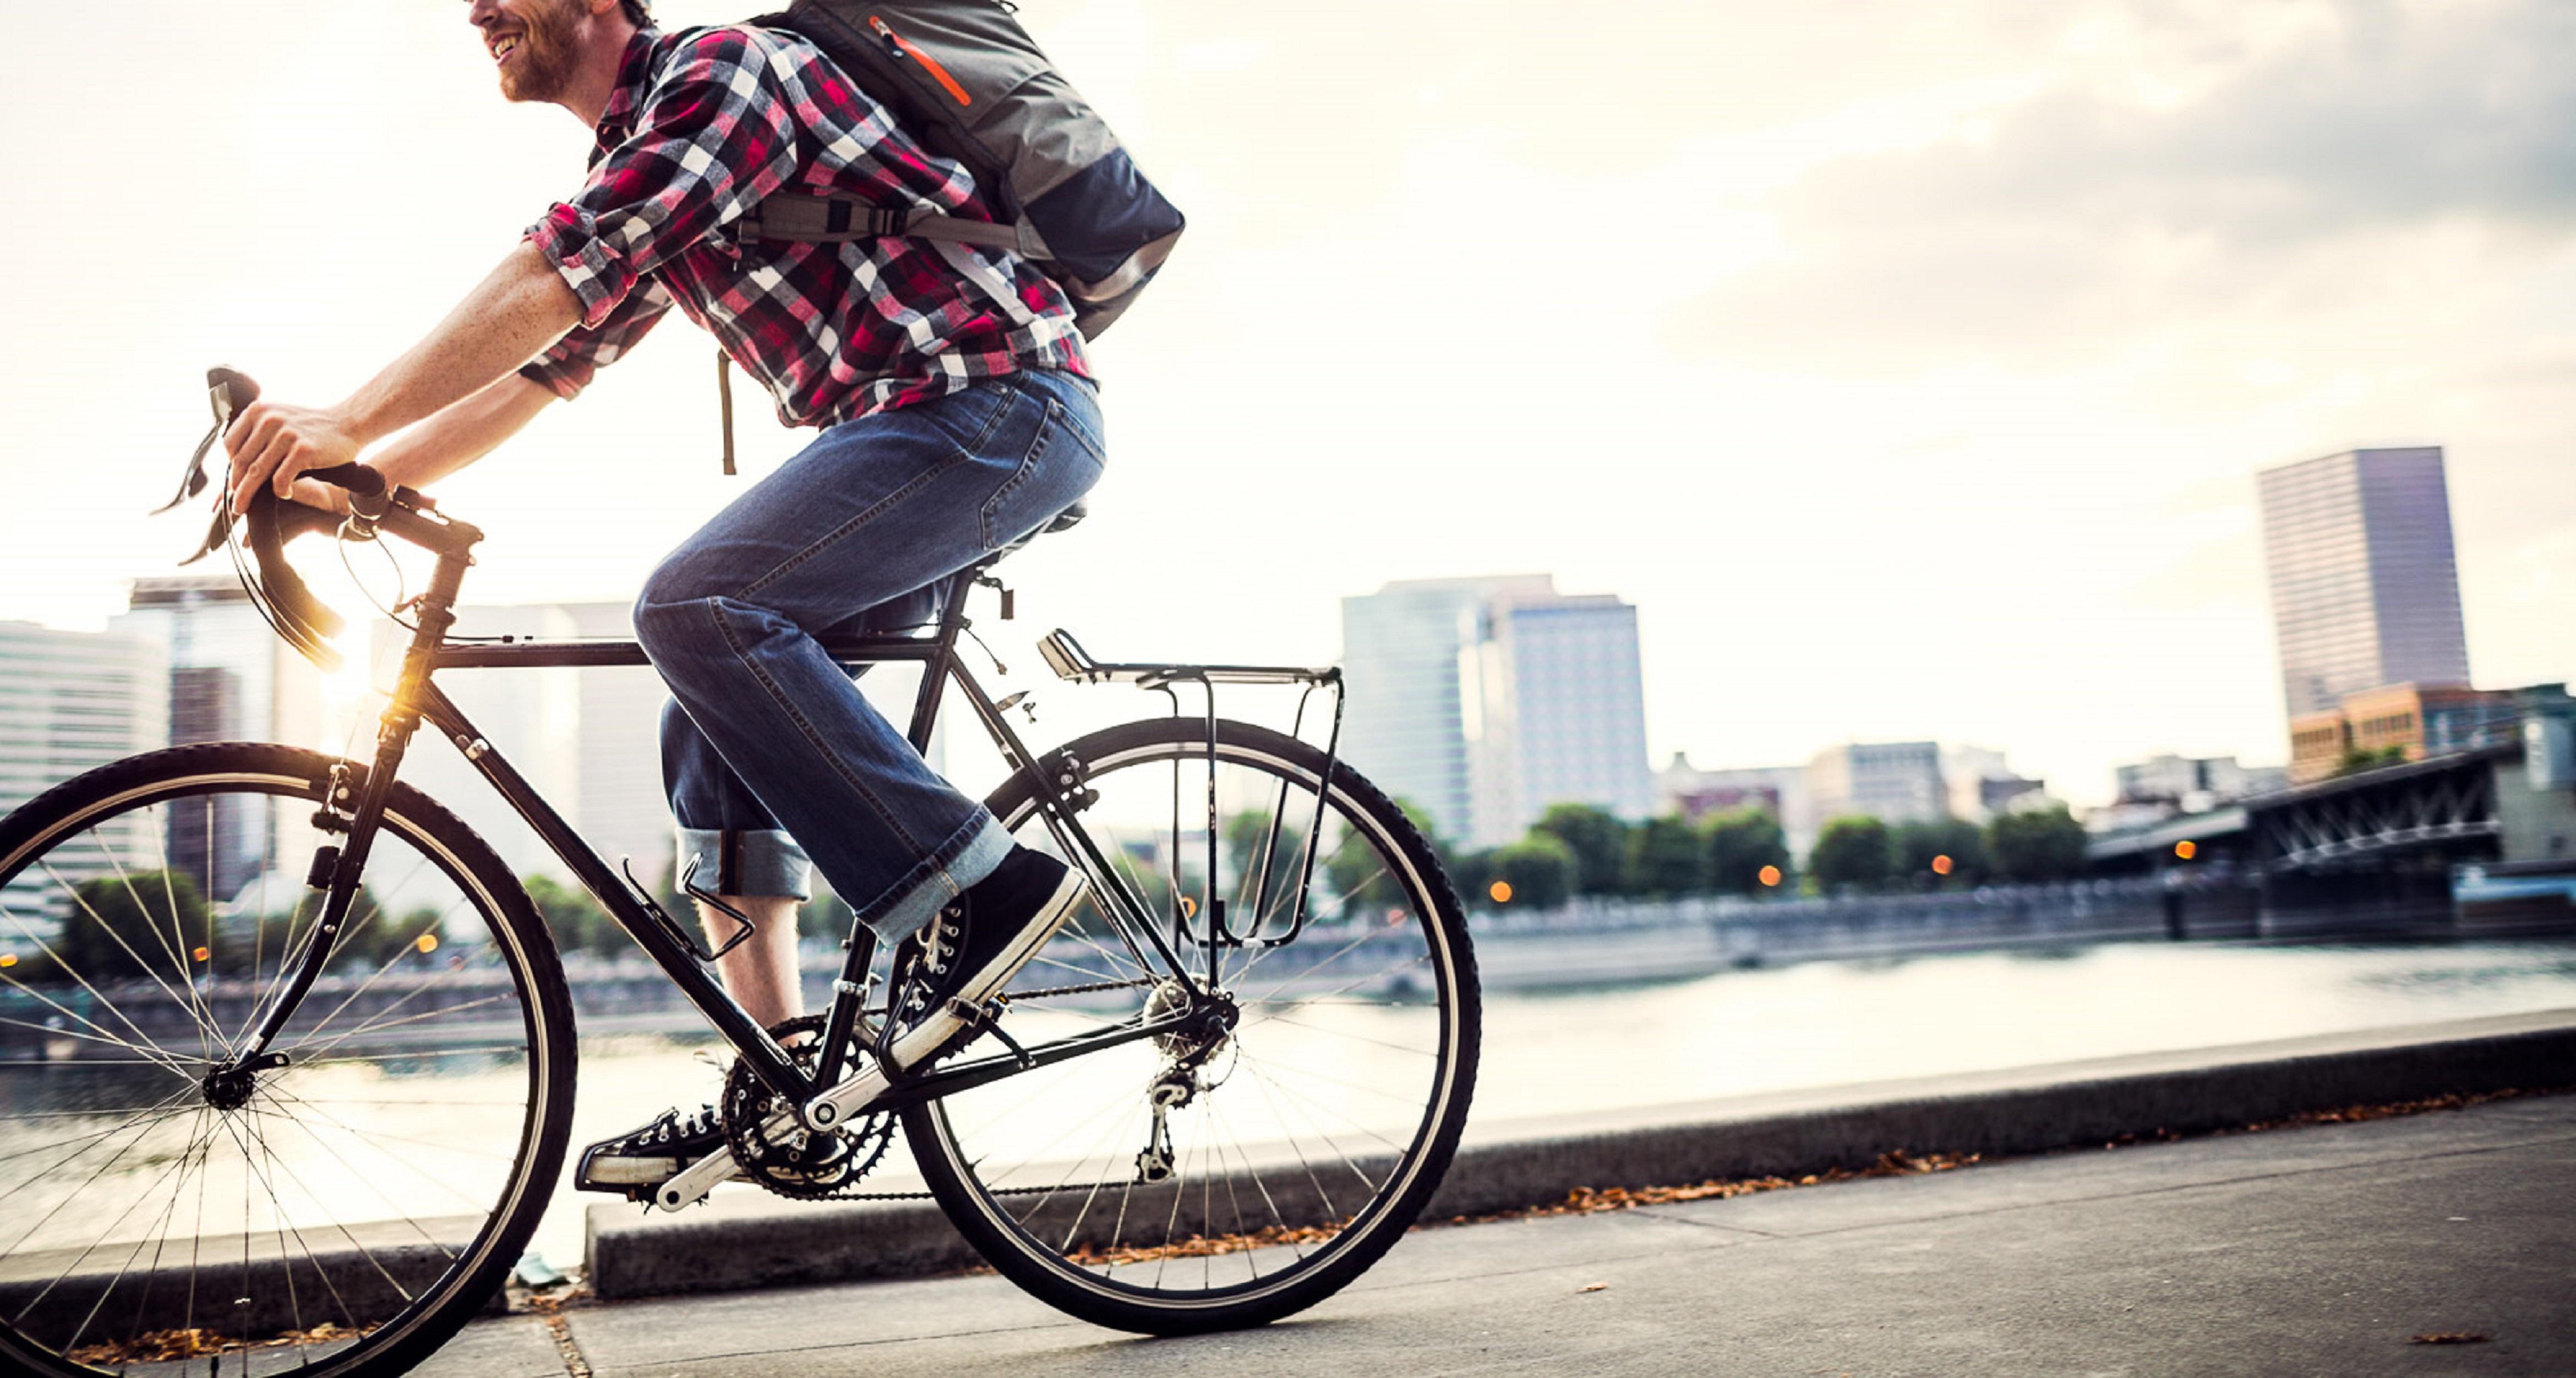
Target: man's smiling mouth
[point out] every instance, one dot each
(503, 47)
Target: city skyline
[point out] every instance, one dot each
(1937, 421)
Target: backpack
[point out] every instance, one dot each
(966, 80)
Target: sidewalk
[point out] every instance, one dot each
(2318, 1250)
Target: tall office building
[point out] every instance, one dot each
(70, 701)
(2364, 589)
(1483, 701)
(230, 680)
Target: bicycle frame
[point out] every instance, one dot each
(353, 807)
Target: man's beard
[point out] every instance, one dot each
(542, 68)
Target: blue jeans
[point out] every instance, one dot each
(767, 743)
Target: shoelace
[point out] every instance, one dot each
(673, 1125)
(938, 944)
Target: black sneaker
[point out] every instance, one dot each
(636, 1162)
(971, 948)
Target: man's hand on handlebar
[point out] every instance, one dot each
(271, 443)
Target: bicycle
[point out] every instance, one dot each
(1220, 1094)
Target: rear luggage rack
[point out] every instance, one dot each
(1065, 656)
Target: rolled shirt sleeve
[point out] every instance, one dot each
(713, 135)
(578, 357)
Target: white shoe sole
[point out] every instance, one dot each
(926, 1039)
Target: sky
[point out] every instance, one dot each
(1907, 365)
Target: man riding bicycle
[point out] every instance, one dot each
(956, 415)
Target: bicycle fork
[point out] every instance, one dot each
(352, 809)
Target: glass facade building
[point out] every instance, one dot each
(2365, 591)
(1483, 701)
(70, 701)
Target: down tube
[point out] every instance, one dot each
(775, 1069)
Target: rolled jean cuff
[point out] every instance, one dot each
(969, 856)
(753, 863)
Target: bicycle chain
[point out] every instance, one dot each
(1093, 988)
(851, 1193)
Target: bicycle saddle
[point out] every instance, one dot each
(1065, 520)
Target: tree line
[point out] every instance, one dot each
(1579, 849)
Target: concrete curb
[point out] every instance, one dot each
(750, 1240)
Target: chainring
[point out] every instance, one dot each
(802, 1164)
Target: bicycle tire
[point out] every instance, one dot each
(319, 1136)
(1001, 1217)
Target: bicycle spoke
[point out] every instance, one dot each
(1337, 1033)
(144, 1126)
(1278, 1116)
(277, 1204)
(101, 1134)
(187, 1002)
(1310, 1106)
(366, 1177)
(83, 982)
(179, 940)
(285, 1265)
(83, 1257)
(201, 1138)
(1244, 1169)
(378, 1023)
(1091, 1193)
(405, 1160)
(90, 1038)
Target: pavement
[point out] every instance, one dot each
(2316, 1250)
(744, 1238)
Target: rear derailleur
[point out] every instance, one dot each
(1191, 1047)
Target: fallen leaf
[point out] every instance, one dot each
(1597, 1286)
(2448, 1337)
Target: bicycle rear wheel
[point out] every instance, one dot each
(1279, 1164)
(341, 1214)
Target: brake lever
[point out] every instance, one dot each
(228, 392)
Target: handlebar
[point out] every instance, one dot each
(272, 521)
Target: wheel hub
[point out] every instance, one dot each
(229, 1086)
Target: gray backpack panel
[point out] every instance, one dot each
(965, 79)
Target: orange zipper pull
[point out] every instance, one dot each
(896, 44)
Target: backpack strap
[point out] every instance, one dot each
(802, 218)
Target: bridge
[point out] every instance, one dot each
(2372, 851)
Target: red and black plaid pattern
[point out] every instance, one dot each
(706, 122)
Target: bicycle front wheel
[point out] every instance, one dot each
(1173, 1185)
(341, 1213)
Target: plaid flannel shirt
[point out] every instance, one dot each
(706, 122)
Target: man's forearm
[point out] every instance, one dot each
(462, 433)
(511, 316)
(508, 317)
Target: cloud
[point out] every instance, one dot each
(2220, 174)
